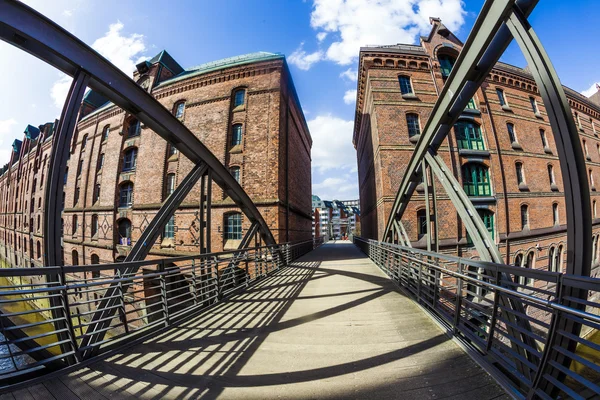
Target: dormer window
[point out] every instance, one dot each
(239, 97)
(180, 109)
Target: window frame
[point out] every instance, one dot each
(179, 109)
(129, 159)
(232, 226)
(469, 135)
(237, 137)
(413, 125)
(524, 216)
(501, 97)
(237, 99)
(403, 81)
(126, 192)
(478, 184)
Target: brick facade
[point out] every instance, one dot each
(273, 160)
(384, 148)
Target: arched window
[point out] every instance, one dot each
(235, 172)
(501, 97)
(75, 224)
(389, 63)
(551, 174)
(96, 196)
(39, 222)
(529, 264)
(134, 128)
(129, 159)
(476, 180)
(169, 185)
(233, 226)
(94, 225)
(24, 245)
(421, 223)
(468, 136)
(126, 194)
(534, 106)
(100, 162)
(31, 248)
(172, 150)
(594, 208)
(169, 231)
(124, 230)
(236, 135)
(471, 104)
(524, 216)
(84, 142)
(511, 132)
(518, 260)
(446, 64)
(519, 173)
(179, 109)
(377, 61)
(105, 132)
(544, 139)
(405, 86)
(239, 97)
(555, 213)
(592, 180)
(585, 148)
(76, 195)
(39, 249)
(94, 259)
(74, 257)
(80, 167)
(414, 128)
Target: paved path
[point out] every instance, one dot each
(330, 327)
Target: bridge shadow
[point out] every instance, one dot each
(245, 348)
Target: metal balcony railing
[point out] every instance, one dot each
(464, 296)
(161, 293)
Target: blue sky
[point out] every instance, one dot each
(321, 39)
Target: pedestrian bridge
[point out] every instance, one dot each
(331, 325)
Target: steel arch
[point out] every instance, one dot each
(32, 32)
(498, 23)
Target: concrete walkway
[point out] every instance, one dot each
(330, 327)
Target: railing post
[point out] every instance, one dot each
(215, 262)
(123, 314)
(194, 283)
(490, 340)
(67, 314)
(163, 292)
(420, 278)
(458, 302)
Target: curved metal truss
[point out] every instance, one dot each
(498, 23)
(30, 31)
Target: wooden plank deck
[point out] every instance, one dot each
(330, 327)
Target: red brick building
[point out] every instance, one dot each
(244, 109)
(501, 150)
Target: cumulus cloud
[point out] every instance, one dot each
(592, 89)
(6, 133)
(350, 96)
(332, 143)
(350, 74)
(356, 23)
(124, 51)
(337, 188)
(304, 60)
(321, 36)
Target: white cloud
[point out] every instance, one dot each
(304, 60)
(350, 74)
(345, 188)
(593, 89)
(321, 36)
(6, 133)
(60, 89)
(357, 23)
(122, 50)
(332, 143)
(67, 13)
(350, 96)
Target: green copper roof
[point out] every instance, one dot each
(31, 132)
(94, 99)
(224, 63)
(165, 59)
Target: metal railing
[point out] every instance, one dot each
(464, 295)
(158, 295)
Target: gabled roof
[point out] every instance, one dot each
(31, 132)
(94, 99)
(165, 59)
(17, 146)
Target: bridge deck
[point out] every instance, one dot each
(330, 327)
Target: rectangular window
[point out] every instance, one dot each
(412, 120)
(239, 98)
(170, 185)
(233, 226)
(543, 136)
(169, 231)
(471, 104)
(236, 136)
(405, 86)
(519, 168)
(501, 98)
(134, 128)
(100, 161)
